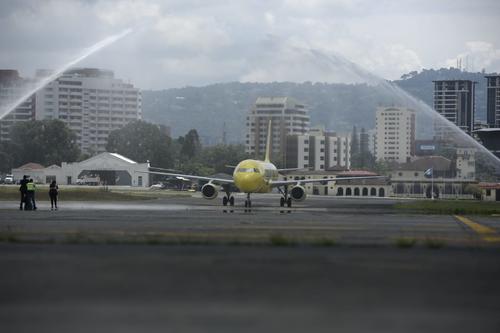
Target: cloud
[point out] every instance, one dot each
(269, 17)
(192, 32)
(180, 42)
(477, 56)
(126, 12)
(392, 60)
(293, 60)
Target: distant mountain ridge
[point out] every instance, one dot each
(336, 106)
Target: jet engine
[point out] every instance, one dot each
(298, 193)
(209, 191)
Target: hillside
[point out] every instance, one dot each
(337, 106)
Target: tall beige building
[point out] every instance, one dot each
(288, 116)
(92, 102)
(395, 134)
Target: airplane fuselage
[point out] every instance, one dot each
(253, 176)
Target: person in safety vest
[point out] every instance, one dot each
(30, 197)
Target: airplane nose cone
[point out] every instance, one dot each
(247, 182)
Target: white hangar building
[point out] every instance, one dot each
(108, 168)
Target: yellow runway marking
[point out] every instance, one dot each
(478, 228)
(487, 234)
(492, 239)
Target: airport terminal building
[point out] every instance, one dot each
(450, 178)
(380, 187)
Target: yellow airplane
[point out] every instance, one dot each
(256, 176)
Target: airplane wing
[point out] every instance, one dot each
(209, 179)
(278, 183)
(290, 169)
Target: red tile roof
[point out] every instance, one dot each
(31, 166)
(490, 186)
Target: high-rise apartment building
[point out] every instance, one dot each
(318, 150)
(13, 87)
(288, 117)
(454, 100)
(92, 102)
(338, 151)
(395, 134)
(493, 101)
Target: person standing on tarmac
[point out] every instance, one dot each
(53, 191)
(23, 189)
(30, 197)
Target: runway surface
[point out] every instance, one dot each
(345, 221)
(185, 265)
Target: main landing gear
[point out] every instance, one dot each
(285, 199)
(228, 199)
(248, 203)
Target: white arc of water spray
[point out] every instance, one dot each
(87, 52)
(337, 61)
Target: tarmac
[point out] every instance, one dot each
(188, 265)
(345, 221)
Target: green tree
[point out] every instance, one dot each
(382, 167)
(198, 168)
(142, 141)
(486, 168)
(190, 145)
(217, 157)
(46, 142)
(6, 159)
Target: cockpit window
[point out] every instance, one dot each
(248, 170)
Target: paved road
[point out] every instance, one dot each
(368, 283)
(124, 288)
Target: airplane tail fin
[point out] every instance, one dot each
(268, 143)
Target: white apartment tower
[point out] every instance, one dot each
(318, 150)
(12, 87)
(395, 134)
(288, 116)
(338, 151)
(92, 102)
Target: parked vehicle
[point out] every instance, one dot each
(88, 181)
(158, 186)
(8, 179)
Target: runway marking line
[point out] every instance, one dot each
(478, 228)
(492, 239)
(487, 234)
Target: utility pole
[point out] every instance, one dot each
(224, 139)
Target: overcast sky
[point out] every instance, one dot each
(198, 42)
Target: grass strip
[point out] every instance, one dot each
(84, 193)
(449, 207)
(81, 237)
